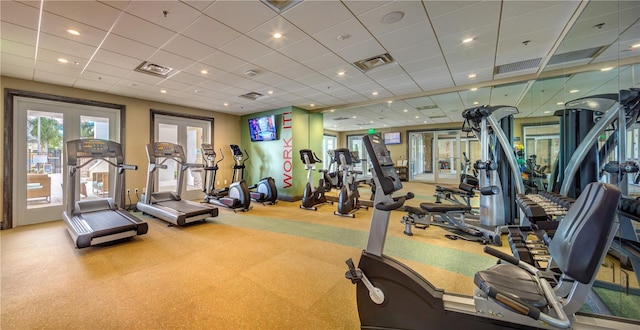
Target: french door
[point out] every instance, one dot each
(41, 130)
(190, 133)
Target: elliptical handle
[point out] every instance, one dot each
(221, 153)
(501, 255)
(247, 154)
(318, 160)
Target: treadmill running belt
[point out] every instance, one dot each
(107, 222)
(186, 207)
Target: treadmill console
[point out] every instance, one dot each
(382, 163)
(167, 149)
(94, 149)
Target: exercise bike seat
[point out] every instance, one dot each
(444, 208)
(512, 281)
(414, 210)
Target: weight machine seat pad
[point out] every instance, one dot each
(414, 210)
(513, 281)
(444, 208)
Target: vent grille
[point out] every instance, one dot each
(373, 62)
(427, 107)
(437, 117)
(280, 6)
(518, 66)
(153, 69)
(252, 96)
(575, 55)
(341, 118)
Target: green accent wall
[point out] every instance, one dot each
(280, 159)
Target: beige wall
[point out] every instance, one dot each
(226, 127)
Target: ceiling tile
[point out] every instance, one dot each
(210, 32)
(466, 20)
(359, 7)
(242, 16)
(188, 48)
(351, 32)
(142, 31)
(173, 15)
(361, 51)
(315, 16)
(19, 14)
(91, 13)
(413, 11)
(127, 47)
(246, 48)
(304, 49)
(264, 33)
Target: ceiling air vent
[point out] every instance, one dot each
(280, 6)
(252, 96)
(373, 62)
(341, 118)
(153, 69)
(437, 117)
(427, 107)
(575, 55)
(518, 66)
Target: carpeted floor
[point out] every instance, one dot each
(274, 267)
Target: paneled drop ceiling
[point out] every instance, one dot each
(221, 50)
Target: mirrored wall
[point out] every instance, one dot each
(600, 54)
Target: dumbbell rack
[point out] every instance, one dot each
(543, 211)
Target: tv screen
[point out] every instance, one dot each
(392, 138)
(263, 128)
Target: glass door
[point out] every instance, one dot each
(42, 129)
(190, 134)
(447, 157)
(329, 142)
(354, 144)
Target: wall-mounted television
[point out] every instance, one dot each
(392, 138)
(263, 128)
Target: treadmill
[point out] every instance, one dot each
(167, 205)
(96, 221)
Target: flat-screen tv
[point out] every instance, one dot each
(392, 138)
(263, 128)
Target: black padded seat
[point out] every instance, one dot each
(456, 191)
(414, 210)
(512, 281)
(443, 208)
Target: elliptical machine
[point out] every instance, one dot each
(236, 196)
(348, 199)
(265, 191)
(509, 295)
(312, 196)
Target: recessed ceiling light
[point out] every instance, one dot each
(341, 73)
(226, 104)
(476, 102)
(63, 60)
(312, 105)
(164, 91)
(389, 102)
(374, 93)
(270, 92)
(636, 46)
(574, 91)
(607, 69)
(332, 110)
(468, 40)
(74, 32)
(204, 71)
(473, 75)
(277, 35)
(474, 89)
(425, 121)
(417, 117)
(371, 122)
(559, 103)
(405, 110)
(548, 111)
(385, 125)
(392, 17)
(354, 117)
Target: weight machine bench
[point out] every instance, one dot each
(448, 216)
